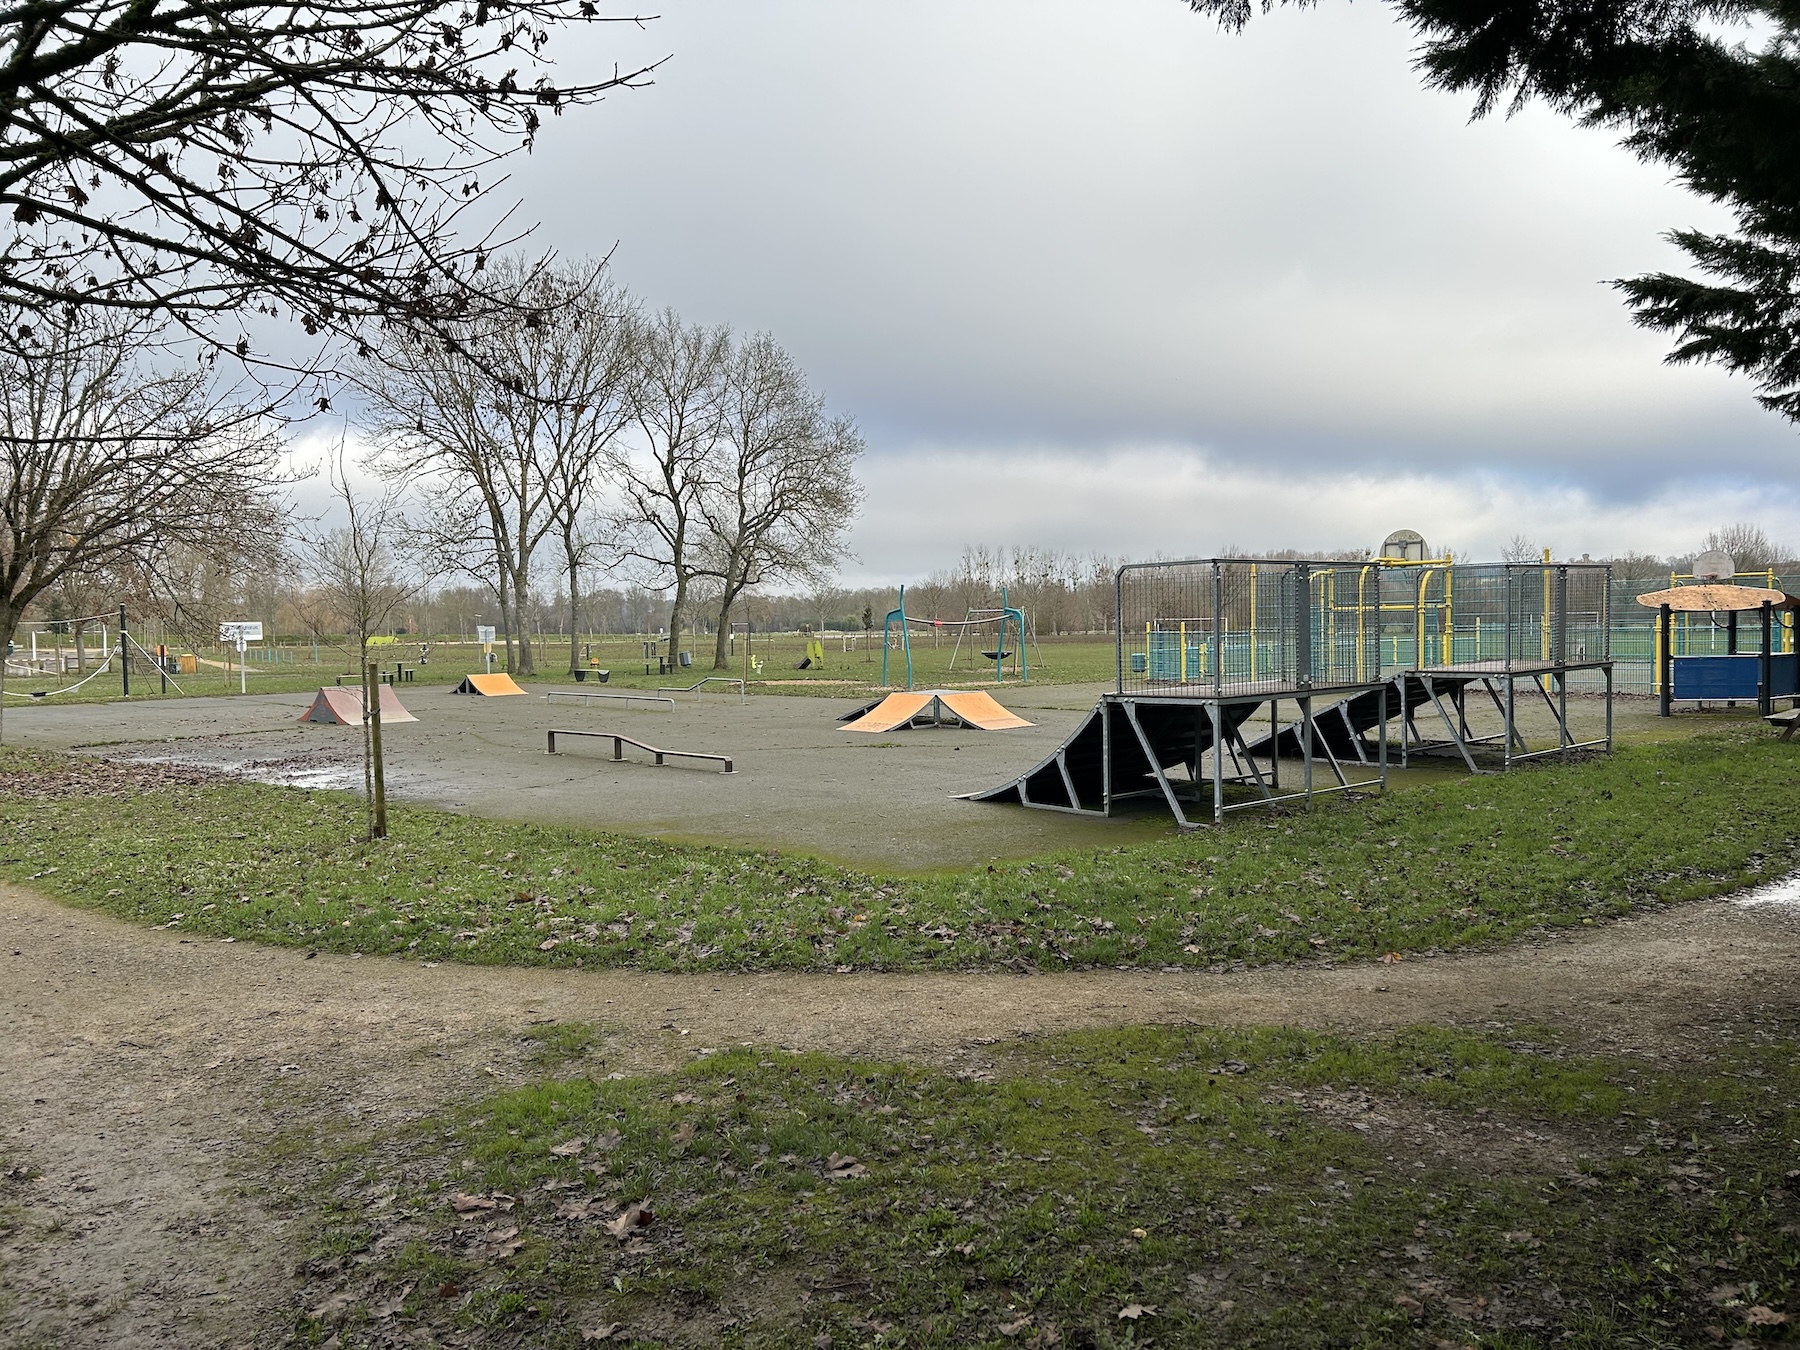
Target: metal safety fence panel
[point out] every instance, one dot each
(1225, 627)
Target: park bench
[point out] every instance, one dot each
(1788, 721)
(620, 742)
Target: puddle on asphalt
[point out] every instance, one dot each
(299, 772)
(1784, 892)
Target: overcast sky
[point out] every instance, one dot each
(1102, 277)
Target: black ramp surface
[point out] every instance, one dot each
(1339, 727)
(1073, 777)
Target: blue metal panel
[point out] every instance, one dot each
(1729, 677)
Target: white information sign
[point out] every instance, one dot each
(240, 633)
(483, 633)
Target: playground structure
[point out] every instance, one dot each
(343, 706)
(1760, 676)
(1451, 630)
(488, 686)
(1203, 646)
(933, 707)
(1002, 616)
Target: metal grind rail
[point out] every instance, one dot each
(694, 688)
(584, 696)
(620, 742)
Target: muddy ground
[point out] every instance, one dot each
(144, 1074)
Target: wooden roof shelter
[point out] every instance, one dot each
(1717, 596)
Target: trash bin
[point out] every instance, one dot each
(685, 659)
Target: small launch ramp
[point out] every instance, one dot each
(1125, 748)
(934, 707)
(344, 707)
(492, 686)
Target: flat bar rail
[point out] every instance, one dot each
(694, 688)
(620, 742)
(584, 696)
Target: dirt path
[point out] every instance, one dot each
(141, 1070)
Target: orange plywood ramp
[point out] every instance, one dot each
(343, 707)
(896, 710)
(493, 686)
(981, 711)
(968, 709)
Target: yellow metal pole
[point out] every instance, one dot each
(1252, 621)
(1184, 651)
(1362, 612)
(1544, 631)
(1449, 618)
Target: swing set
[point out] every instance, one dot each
(977, 618)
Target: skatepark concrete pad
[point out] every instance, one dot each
(966, 708)
(493, 686)
(344, 707)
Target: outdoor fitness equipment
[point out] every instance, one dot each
(1004, 615)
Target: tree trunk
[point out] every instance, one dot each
(521, 599)
(506, 613)
(8, 622)
(574, 606)
(679, 604)
(721, 654)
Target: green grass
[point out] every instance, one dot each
(1447, 866)
(1267, 1188)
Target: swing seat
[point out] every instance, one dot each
(996, 656)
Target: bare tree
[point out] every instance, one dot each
(503, 433)
(359, 580)
(677, 404)
(314, 162)
(1521, 548)
(782, 495)
(108, 465)
(1634, 566)
(1747, 545)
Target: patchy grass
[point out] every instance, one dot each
(1121, 1188)
(1457, 864)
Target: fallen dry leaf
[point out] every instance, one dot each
(682, 1133)
(635, 1217)
(842, 1167)
(684, 1099)
(1014, 1328)
(1761, 1316)
(548, 944)
(568, 1148)
(333, 1308)
(387, 1307)
(469, 1204)
(607, 1142)
(1044, 1338)
(1410, 1305)
(604, 1332)
(1392, 959)
(1132, 1311)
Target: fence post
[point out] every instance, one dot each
(1664, 659)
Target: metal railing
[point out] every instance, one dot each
(695, 688)
(1230, 627)
(584, 696)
